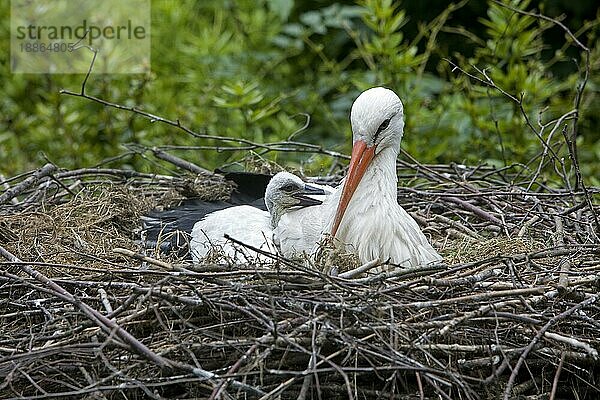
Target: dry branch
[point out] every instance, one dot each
(16, 190)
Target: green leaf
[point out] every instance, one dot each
(282, 8)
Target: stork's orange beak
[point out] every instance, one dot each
(360, 160)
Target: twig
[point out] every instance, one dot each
(6, 186)
(420, 386)
(222, 386)
(556, 376)
(141, 257)
(546, 18)
(565, 264)
(181, 163)
(475, 297)
(106, 324)
(359, 270)
(537, 337)
(573, 342)
(476, 210)
(27, 183)
(572, 154)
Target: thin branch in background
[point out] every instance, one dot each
(546, 18)
(571, 115)
(242, 144)
(432, 30)
(588, 198)
(302, 128)
(557, 124)
(77, 46)
(584, 77)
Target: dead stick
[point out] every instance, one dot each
(476, 210)
(141, 257)
(216, 393)
(556, 376)
(102, 321)
(476, 297)
(180, 162)
(420, 386)
(30, 181)
(359, 270)
(537, 337)
(565, 264)
(571, 341)
(7, 187)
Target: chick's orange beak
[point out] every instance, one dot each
(362, 155)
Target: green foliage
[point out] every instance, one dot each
(249, 69)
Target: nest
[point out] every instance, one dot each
(86, 313)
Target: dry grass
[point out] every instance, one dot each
(470, 250)
(94, 221)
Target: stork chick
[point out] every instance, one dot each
(249, 225)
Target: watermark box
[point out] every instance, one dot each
(60, 36)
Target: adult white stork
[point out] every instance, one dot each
(363, 214)
(250, 225)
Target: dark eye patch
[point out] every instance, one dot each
(289, 187)
(383, 127)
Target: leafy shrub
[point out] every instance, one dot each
(254, 69)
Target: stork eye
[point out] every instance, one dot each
(289, 187)
(383, 126)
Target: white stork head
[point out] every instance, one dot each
(377, 120)
(286, 191)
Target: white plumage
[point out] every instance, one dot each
(363, 213)
(375, 226)
(249, 225)
(368, 219)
